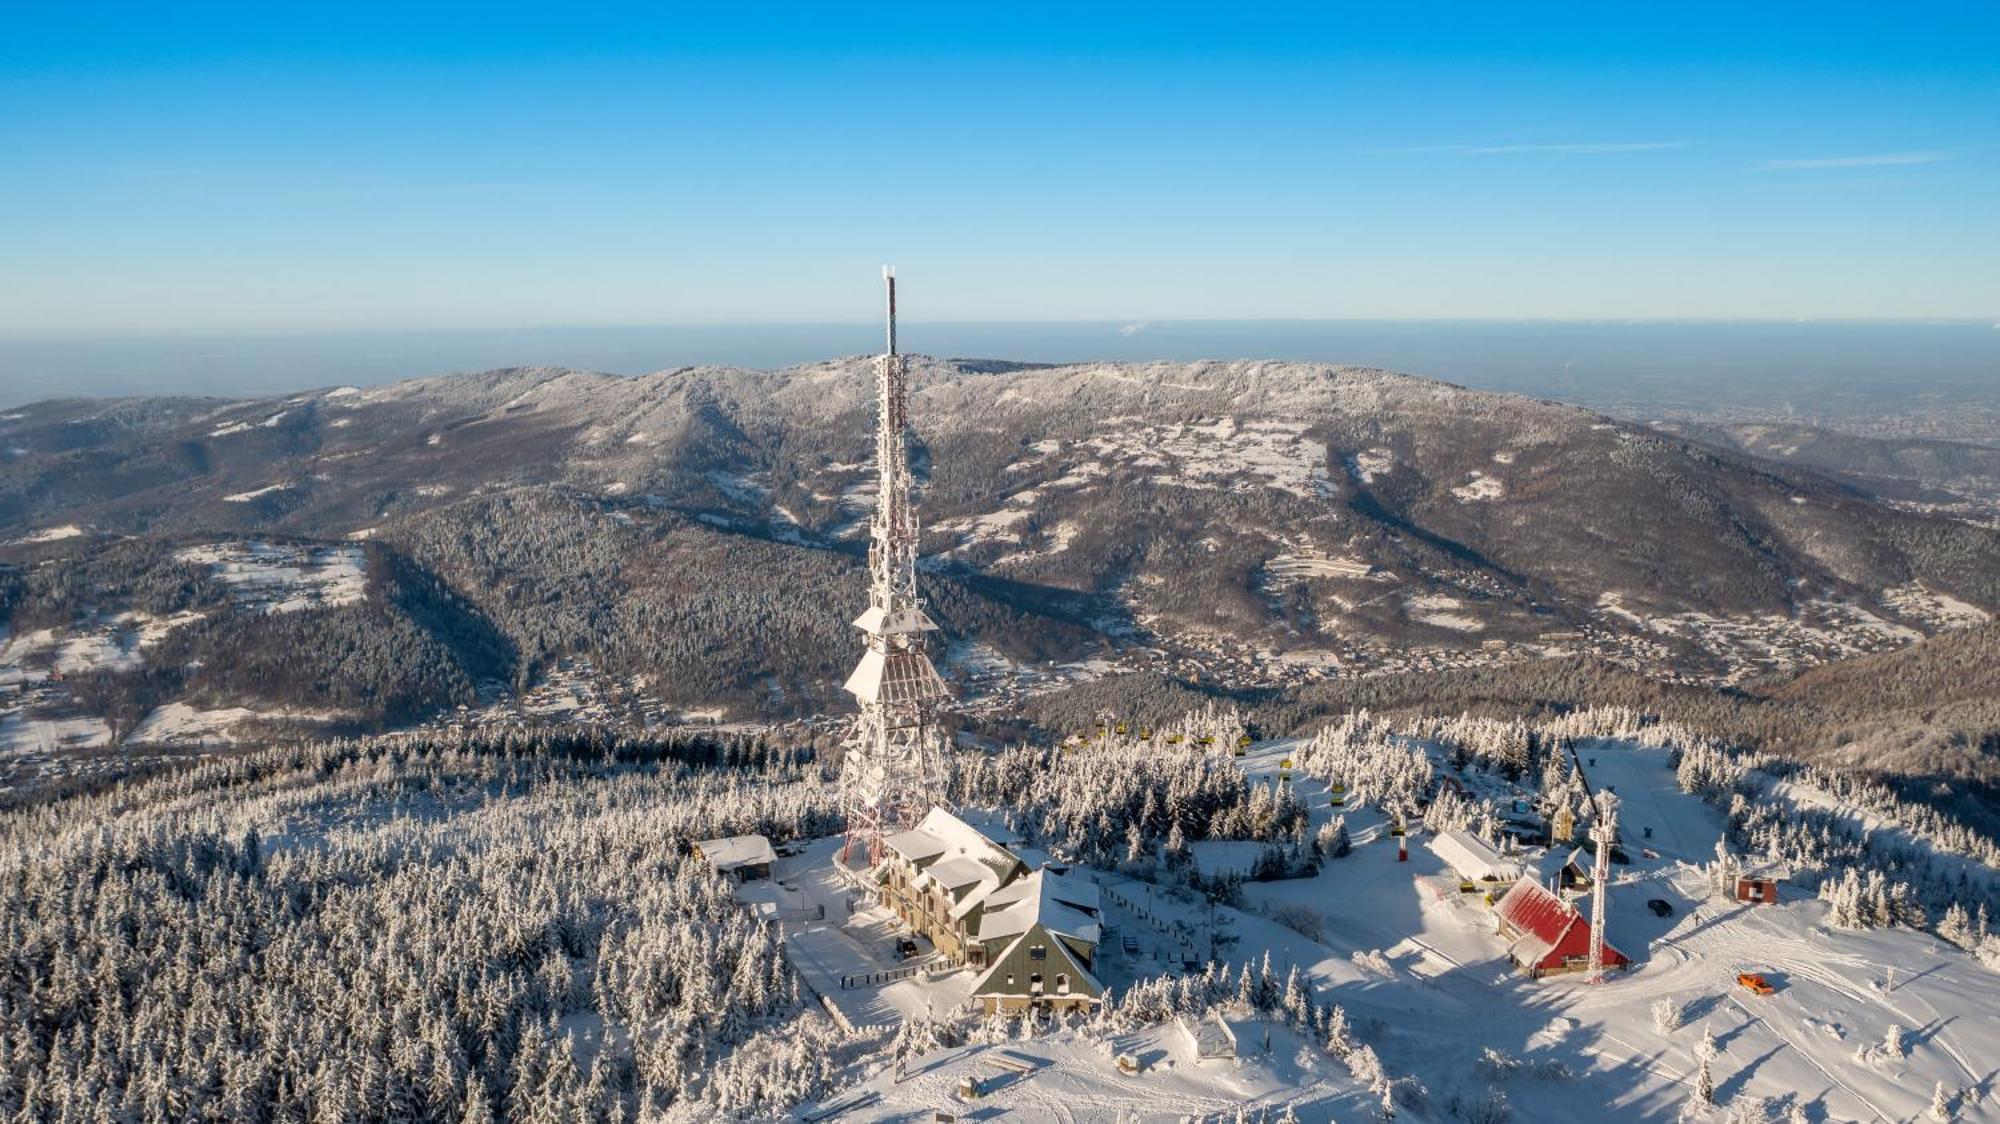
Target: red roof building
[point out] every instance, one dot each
(1547, 935)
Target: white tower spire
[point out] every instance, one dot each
(1604, 830)
(894, 769)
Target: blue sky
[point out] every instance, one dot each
(308, 166)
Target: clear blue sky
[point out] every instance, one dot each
(293, 165)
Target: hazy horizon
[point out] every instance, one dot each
(1816, 369)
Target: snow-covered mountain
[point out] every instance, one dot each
(1247, 524)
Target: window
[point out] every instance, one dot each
(1038, 952)
(1035, 983)
(1062, 985)
(1010, 981)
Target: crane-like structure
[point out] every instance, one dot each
(894, 768)
(1603, 832)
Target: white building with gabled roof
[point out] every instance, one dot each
(981, 905)
(743, 857)
(1040, 937)
(1475, 861)
(938, 876)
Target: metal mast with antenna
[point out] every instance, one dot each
(894, 769)
(1603, 831)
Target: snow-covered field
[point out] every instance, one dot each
(181, 724)
(44, 736)
(52, 534)
(282, 578)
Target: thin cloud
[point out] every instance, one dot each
(1579, 149)
(1130, 330)
(1873, 160)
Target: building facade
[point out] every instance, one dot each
(1032, 935)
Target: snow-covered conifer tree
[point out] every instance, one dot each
(1704, 1076)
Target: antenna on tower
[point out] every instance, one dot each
(889, 279)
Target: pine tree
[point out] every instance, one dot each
(1704, 1078)
(475, 1107)
(1940, 1103)
(1339, 1039)
(1956, 926)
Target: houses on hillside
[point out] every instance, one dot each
(1032, 934)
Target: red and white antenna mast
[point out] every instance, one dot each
(894, 769)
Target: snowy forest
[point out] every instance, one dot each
(508, 925)
(406, 929)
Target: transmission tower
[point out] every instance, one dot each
(1603, 832)
(894, 768)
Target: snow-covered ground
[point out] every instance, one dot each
(52, 534)
(1213, 454)
(1422, 974)
(47, 736)
(1068, 1076)
(283, 578)
(181, 724)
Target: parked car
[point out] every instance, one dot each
(906, 948)
(1661, 907)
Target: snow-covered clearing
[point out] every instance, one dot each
(246, 497)
(1215, 454)
(1313, 566)
(993, 527)
(50, 534)
(114, 650)
(22, 734)
(181, 724)
(1443, 612)
(1478, 488)
(283, 578)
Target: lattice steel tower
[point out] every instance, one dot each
(894, 768)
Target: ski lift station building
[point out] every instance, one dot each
(1477, 864)
(1548, 935)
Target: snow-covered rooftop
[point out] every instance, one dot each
(1058, 903)
(1472, 858)
(734, 851)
